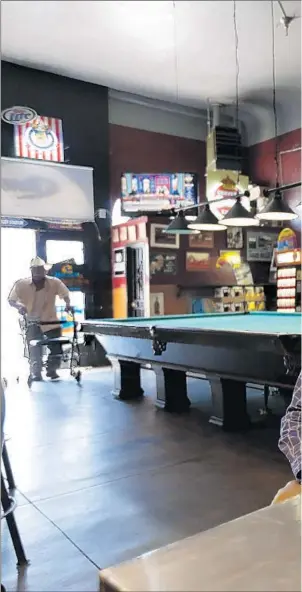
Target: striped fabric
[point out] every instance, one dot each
(41, 139)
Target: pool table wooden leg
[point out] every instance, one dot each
(127, 379)
(171, 390)
(229, 404)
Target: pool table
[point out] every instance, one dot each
(231, 350)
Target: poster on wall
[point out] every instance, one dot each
(202, 240)
(145, 193)
(158, 237)
(234, 238)
(225, 185)
(260, 245)
(157, 307)
(196, 261)
(287, 240)
(41, 139)
(241, 269)
(232, 257)
(163, 263)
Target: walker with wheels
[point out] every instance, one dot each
(69, 346)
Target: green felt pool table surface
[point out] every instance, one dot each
(256, 322)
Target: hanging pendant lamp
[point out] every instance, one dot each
(179, 225)
(239, 216)
(206, 221)
(277, 209)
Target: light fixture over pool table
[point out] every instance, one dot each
(239, 216)
(206, 221)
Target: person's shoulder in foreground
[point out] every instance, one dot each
(290, 434)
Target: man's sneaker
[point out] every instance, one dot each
(37, 378)
(52, 374)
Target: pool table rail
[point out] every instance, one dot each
(228, 358)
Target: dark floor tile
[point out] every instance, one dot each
(123, 478)
(139, 513)
(55, 563)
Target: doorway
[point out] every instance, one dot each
(61, 250)
(136, 282)
(18, 247)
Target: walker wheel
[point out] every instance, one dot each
(5, 383)
(265, 411)
(78, 376)
(29, 381)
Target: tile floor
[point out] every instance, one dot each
(101, 481)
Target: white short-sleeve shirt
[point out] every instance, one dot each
(40, 304)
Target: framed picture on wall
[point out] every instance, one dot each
(163, 263)
(202, 240)
(260, 245)
(157, 307)
(196, 261)
(158, 238)
(234, 238)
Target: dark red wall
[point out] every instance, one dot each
(140, 151)
(262, 168)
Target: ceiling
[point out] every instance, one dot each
(181, 51)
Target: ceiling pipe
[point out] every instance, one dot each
(216, 114)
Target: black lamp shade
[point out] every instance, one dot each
(239, 216)
(277, 209)
(206, 221)
(179, 225)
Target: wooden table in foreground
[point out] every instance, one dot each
(258, 552)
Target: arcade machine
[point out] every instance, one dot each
(76, 278)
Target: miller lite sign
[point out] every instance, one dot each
(18, 115)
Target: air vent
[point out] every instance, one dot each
(224, 149)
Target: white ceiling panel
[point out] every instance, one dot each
(179, 51)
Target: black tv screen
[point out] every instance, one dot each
(157, 193)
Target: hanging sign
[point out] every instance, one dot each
(225, 185)
(13, 222)
(18, 115)
(40, 138)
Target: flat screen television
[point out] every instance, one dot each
(157, 193)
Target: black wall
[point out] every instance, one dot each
(83, 108)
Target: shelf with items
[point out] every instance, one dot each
(239, 298)
(222, 299)
(289, 281)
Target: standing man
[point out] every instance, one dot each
(36, 297)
